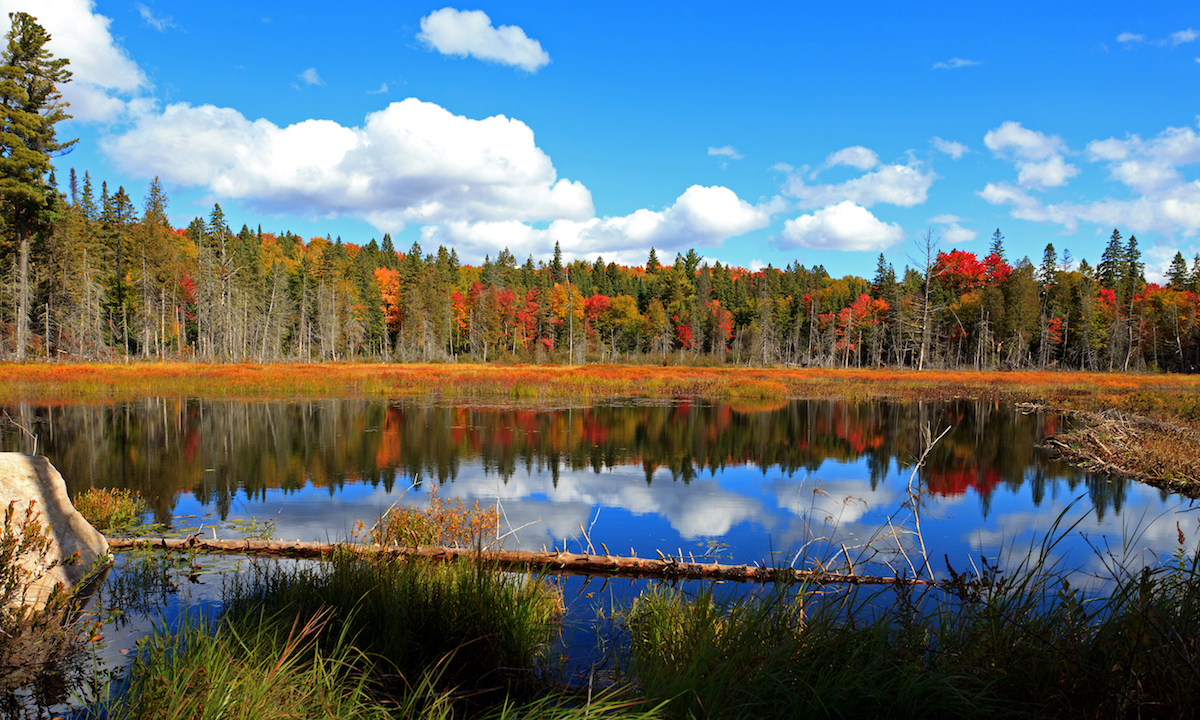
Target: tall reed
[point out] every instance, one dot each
(994, 642)
(484, 629)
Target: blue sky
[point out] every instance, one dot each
(757, 134)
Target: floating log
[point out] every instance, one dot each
(552, 562)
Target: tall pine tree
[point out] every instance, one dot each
(30, 107)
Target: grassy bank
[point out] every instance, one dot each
(1139, 426)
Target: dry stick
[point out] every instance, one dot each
(552, 562)
(914, 498)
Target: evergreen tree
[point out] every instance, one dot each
(600, 278)
(556, 265)
(997, 247)
(30, 107)
(1177, 274)
(1134, 267)
(885, 277)
(87, 202)
(652, 262)
(1048, 272)
(1110, 270)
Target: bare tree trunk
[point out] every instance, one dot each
(22, 290)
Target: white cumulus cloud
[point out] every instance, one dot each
(844, 226)
(952, 231)
(903, 185)
(954, 63)
(1128, 37)
(1038, 156)
(1148, 165)
(700, 217)
(311, 77)
(470, 32)
(412, 162)
(1183, 36)
(105, 77)
(954, 149)
(1161, 200)
(159, 23)
(856, 156)
(725, 151)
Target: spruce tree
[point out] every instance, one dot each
(1177, 274)
(1111, 262)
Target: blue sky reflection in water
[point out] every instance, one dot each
(737, 483)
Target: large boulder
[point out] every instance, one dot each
(32, 477)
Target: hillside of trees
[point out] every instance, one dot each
(108, 282)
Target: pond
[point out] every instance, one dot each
(802, 483)
(797, 482)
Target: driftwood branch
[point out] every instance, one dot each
(552, 562)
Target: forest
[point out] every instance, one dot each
(87, 277)
(107, 282)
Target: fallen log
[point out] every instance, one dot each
(546, 561)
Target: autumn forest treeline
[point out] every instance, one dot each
(109, 281)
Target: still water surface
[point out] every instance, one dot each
(789, 483)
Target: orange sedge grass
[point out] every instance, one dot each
(462, 381)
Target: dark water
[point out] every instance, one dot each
(790, 483)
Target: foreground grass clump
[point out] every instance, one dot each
(482, 629)
(442, 523)
(761, 658)
(988, 645)
(272, 668)
(267, 670)
(112, 510)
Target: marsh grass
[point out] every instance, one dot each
(485, 630)
(112, 511)
(269, 669)
(991, 643)
(276, 668)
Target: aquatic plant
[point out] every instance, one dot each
(112, 510)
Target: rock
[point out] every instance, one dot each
(32, 477)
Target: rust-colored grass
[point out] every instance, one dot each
(550, 383)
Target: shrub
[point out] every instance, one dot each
(111, 510)
(33, 640)
(442, 523)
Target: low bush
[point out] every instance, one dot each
(444, 523)
(111, 510)
(39, 642)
